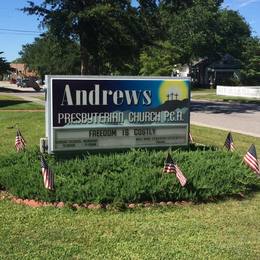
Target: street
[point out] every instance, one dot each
(235, 117)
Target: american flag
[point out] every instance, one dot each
(171, 167)
(229, 144)
(251, 159)
(19, 141)
(47, 174)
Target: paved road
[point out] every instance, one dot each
(235, 117)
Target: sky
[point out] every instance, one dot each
(18, 28)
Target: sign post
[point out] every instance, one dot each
(98, 113)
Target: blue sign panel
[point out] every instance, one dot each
(113, 112)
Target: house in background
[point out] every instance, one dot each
(20, 70)
(207, 73)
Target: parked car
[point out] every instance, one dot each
(19, 82)
(22, 82)
(30, 82)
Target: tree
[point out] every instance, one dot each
(159, 60)
(205, 30)
(197, 29)
(189, 28)
(110, 33)
(250, 73)
(233, 33)
(46, 55)
(4, 65)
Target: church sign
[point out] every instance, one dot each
(92, 113)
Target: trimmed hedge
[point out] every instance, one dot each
(133, 176)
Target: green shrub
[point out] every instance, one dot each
(132, 176)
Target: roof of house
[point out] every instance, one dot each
(226, 62)
(18, 66)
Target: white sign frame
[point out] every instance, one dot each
(51, 131)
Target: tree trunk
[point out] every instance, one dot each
(83, 68)
(88, 50)
(84, 55)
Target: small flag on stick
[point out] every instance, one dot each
(229, 144)
(47, 174)
(251, 159)
(171, 167)
(19, 141)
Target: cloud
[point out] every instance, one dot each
(243, 3)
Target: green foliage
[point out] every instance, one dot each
(191, 30)
(48, 55)
(251, 71)
(233, 32)
(205, 30)
(134, 176)
(110, 33)
(4, 65)
(159, 60)
(147, 38)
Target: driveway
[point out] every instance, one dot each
(235, 117)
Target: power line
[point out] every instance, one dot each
(19, 31)
(16, 33)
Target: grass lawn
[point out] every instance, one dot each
(210, 94)
(215, 137)
(16, 103)
(223, 230)
(40, 97)
(31, 125)
(198, 91)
